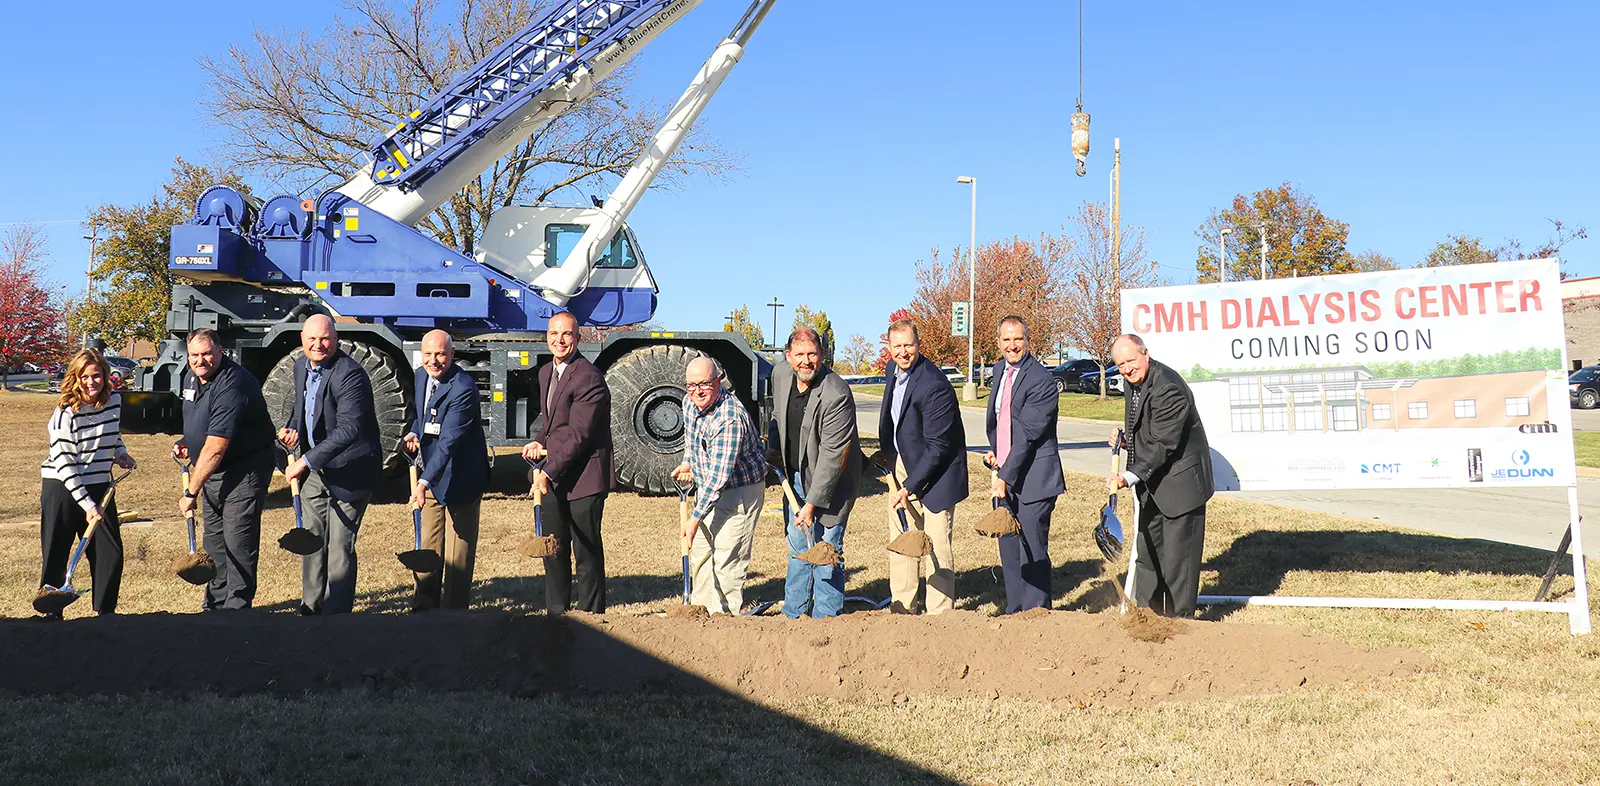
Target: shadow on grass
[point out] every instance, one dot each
(342, 698)
(1257, 563)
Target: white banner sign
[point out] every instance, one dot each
(1429, 377)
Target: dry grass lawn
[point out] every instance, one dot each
(1510, 697)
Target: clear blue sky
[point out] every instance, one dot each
(1410, 121)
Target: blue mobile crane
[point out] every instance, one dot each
(254, 271)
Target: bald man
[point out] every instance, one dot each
(334, 429)
(448, 434)
(724, 458)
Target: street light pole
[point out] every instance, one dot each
(88, 276)
(775, 305)
(1222, 253)
(1263, 252)
(969, 392)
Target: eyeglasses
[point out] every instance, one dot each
(712, 385)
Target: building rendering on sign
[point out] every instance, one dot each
(1351, 399)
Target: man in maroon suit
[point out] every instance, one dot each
(573, 449)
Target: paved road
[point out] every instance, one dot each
(1586, 420)
(1525, 517)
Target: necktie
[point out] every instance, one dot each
(433, 384)
(1133, 408)
(555, 377)
(1003, 412)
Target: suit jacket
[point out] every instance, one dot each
(455, 460)
(576, 431)
(1167, 445)
(347, 454)
(830, 446)
(931, 441)
(1032, 470)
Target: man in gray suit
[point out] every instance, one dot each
(1169, 464)
(812, 436)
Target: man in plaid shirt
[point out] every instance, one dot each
(724, 458)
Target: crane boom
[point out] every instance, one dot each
(547, 67)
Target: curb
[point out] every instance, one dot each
(1588, 472)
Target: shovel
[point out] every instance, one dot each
(196, 567)
(686, 611)
(299, 541)
(822, 553)
(1108, 533)
(418, 559)
(538, 545)
(54, 600)
(999, 521)
(910, 542)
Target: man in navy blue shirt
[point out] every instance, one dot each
(228, 436)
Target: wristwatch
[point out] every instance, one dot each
(190, 494)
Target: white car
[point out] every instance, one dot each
(953, 374)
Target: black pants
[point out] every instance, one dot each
(1025, 556)
(1167, 576)
(576, 527)
(61, 522)
(230, 505)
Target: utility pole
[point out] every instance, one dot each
(1222, 253)
(774, 305)
(969, 391)
(1116, 223)
(1263, 252)
(88, 276)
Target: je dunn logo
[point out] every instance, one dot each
(1521, 471)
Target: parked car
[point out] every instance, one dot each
(123, 371)
(953, 374)
(863, 379)
(1069, 374)
(1090, 382)
(1583, 387)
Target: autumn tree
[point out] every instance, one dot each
(1300, 238)
(818, 321)
(1014, 276)
(301, 105)
(33, 325)
(135, 286)
(857, 356)
(739, 322)
(1472, 250)
(1092, 297)
(1371, 262)
(1459, 250)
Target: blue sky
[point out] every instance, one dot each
(1410, 121)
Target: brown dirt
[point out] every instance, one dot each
(688, 611)
(821, 554)
(52, 601)
(997, 522)
(1146, 625)
(912, 543)
(539, 546)
(1030, 614)
(197, 568)
(1071, 658)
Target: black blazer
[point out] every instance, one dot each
(1033, 469)
(931, 435)
(347, 454)
(455, 455)
(1168, 443)
(577, 430)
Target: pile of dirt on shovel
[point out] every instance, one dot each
(1071, 658)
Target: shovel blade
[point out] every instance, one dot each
(1108, 533)
(195, 567)
(421, 560)
(53, 600)
(300, 541)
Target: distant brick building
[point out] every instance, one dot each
(1580, 302)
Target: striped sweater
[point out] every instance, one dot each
(82, 445)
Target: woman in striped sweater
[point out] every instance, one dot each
(85, 440)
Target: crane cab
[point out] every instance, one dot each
(528, 242)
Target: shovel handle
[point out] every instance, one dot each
(412, 470)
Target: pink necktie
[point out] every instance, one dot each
(1003, 412)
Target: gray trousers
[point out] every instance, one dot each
(230, 508)
(1167, 576)
(328, 577)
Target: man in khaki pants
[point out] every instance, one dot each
(923, 439)
(455, 470)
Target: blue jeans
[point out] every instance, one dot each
(817, 590)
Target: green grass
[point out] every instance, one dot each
(1587, 445)
(1073, 405)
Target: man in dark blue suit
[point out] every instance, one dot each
(448, 431)
(921, 435)
(335, 424)
(1022, 432)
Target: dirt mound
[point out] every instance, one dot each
(1071, 658)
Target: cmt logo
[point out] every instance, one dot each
(1539, 428)
(1380, 469)
(1521, 470)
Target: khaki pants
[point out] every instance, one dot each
(458, 543)
(938, 566)
(719, 559)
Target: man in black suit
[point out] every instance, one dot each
(921, 436)
(574, 444)
(1169, 463)
(1022, 434)
(336, 425)
(448, 434)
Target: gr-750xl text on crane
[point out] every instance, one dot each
(253, 271)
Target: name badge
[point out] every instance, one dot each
(431, 429)
(188, 394)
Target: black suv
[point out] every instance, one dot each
(1069, 374)
(1583, 387)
